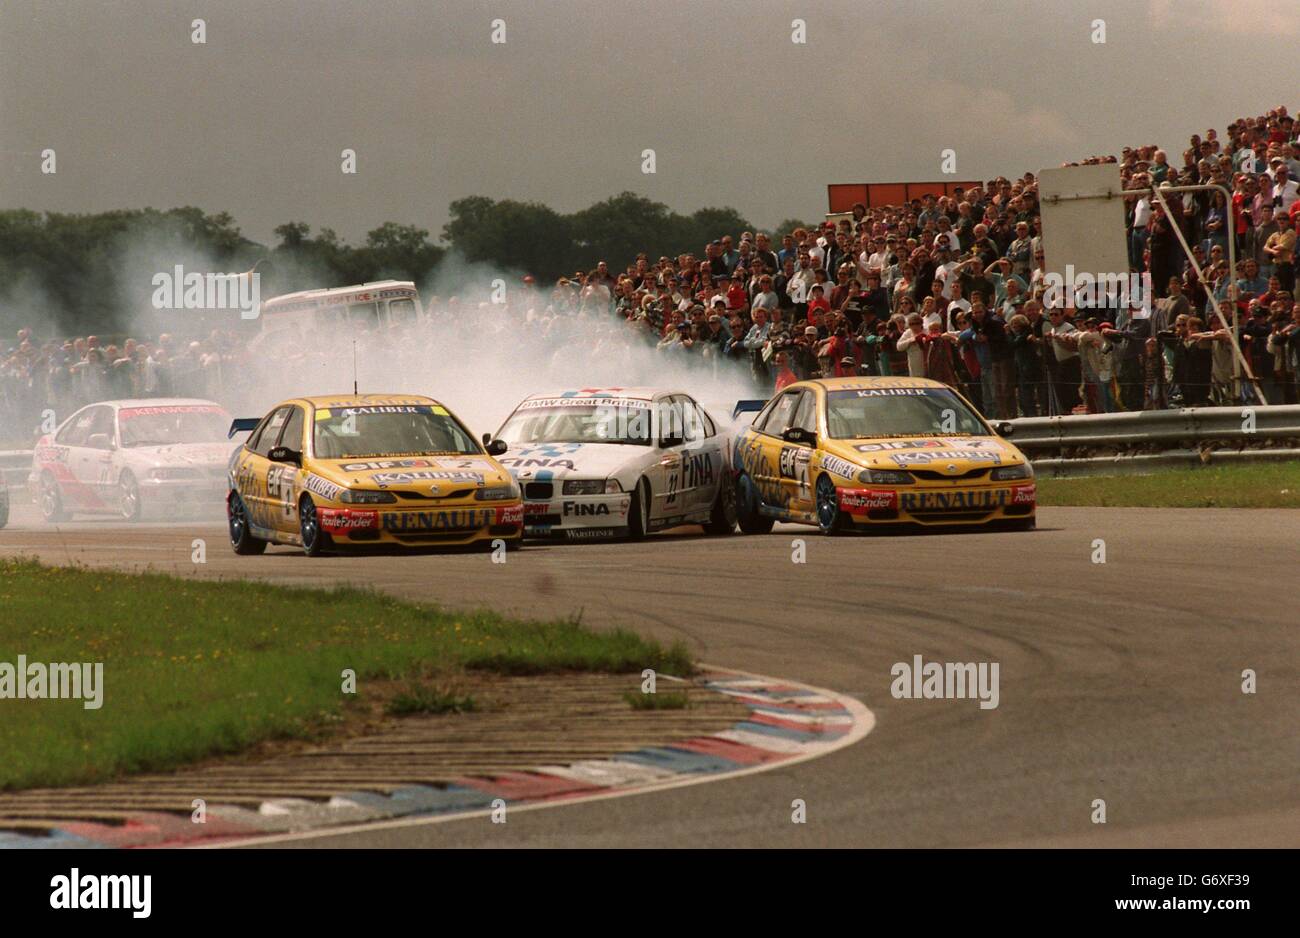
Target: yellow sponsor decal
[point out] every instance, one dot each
(440, 410)
(323, 414)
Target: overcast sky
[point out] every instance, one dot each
(253, 122)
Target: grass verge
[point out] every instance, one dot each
(1266, 485)
(194, 669)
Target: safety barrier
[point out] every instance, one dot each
(1162, 428)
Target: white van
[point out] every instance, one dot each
(365, 307)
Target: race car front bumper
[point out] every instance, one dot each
(458, 525)
(939, 506)
(577, 517)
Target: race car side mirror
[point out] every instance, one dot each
(100, 441)
(496, 447)
(1006, 429)
(284, 454)
(487, 438)
(799, 435)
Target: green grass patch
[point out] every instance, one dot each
(1263, 485)
(673, 700)
(196, 668)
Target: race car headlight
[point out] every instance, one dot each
(885, 477)
(592, 487)
(354, 497)
(497, 493)
(173, 475)
(1006, 473)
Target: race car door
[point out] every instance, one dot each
(795, 457)
(770, 486)
(252, 467)
(73, 469)
(667, 501)
(281, 490)
(702, 459)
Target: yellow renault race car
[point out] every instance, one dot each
(325, 472)
(846, 453)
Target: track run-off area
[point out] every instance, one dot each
(1119, 681)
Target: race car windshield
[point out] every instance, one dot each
(167, 426)
(586, 423)
(389, 430)
(874, 412)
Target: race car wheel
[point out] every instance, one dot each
(638, 516)
(314, 541)
(128, 497)
(240, 537)
(830, 520)
(51, 500)
(723, 518)
(746, 498)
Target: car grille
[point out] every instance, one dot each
(932, 475)
(425, 497)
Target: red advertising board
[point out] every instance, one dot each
(843, 196)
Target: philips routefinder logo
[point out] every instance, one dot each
(176, 289)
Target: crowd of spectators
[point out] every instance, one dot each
(953, 288)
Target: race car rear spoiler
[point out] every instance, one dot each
(752, 406)
(243, 425)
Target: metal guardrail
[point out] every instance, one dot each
(1151, 462)
(1188, 426)
(15, 466)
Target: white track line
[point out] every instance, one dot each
(864, 721)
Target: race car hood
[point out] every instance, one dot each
(412, 473)
(178, 455)
(571, 460)
(946, 455)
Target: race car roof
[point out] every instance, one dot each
(635, 394)
(363, 400)
(863, 383)
(157, 402)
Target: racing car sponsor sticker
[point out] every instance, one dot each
(926, 456)
(453, 519)
(335, 520)
(322, 487)
(128, 413)
(1024, 494)
(895, 392)
(386, 409)
(888, 445)
(632, 402)
(941, 500)
(388, 464)
(840, 467)
(855, 501)
(427, 475)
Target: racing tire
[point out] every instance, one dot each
(638, 516)
(722, 520)
(747, 516)
(315, 542)
(830, 520)
(241, 539)
(128, 497)
(51, 500)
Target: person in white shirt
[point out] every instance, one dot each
(957, 304)
(910, 342)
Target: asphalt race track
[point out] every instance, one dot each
(1119, 681)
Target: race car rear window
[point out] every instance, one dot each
(875, 412)
(389, 430)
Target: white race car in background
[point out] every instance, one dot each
(618, 462)
(126, 458)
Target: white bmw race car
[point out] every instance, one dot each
(126, 458)
(618, 462)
